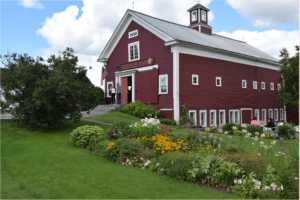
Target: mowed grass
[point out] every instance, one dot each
(43, 165)
(116, 116)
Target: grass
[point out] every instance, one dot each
(43, 165)
(116, 116)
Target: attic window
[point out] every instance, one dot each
(132, 34)
(194, 15)
(203, 15)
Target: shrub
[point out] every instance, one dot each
(141, 110)
(253, 129)
(145, 127)
(185, 118)
(192, 138)
(233, 149)
(122, 127)
(83, 135)
(146, 154)
(94, 141)
(101, 147)
(228, 127)
(286, 131)
(171, 122)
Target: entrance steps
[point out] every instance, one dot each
(109, 107)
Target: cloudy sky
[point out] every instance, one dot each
(42, 28)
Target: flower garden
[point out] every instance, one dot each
(240, 158)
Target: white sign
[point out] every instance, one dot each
(129, 87)
(113, 90)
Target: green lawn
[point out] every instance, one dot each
(116, 116)
(43, 165)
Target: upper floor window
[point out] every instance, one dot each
(263, 85)
(195, 79)
(218, 82)
(134, 51)
(203, 15)
(163, 84)
(272, 86)
(194, 15)
(244, 84)
(132, 34)
(255, 85)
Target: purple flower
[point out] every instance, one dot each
(281, 139)
(186, 147)
(220, 139)
(214, 141)
(162, 169)
(157, 164)
(210, 135)
(206, 142)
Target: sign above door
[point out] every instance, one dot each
(136, 64)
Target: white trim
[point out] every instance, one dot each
(197, 76)
(281, 115)
(140, 69)
(215, 120)
(195, 119)
(244, 81)
(166, 109)
(271, 84)
(137, 33)
(195, 17)
(264, 118)
(254, 85)
(126, 74)
(258, 117)
(159, 84)
(278, 86)
(205, 118)
(263, 84)
(233, 121)
(242, 112)
(218, 78)
(108, 83)
(271, 114)
(198, 11)
(224, 121)
(137, 43)
(175, 52)
(275, 116)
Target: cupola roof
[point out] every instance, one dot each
(198, 5)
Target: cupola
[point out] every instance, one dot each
(199, 20)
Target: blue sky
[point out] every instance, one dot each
(42, 28)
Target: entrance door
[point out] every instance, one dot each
(124, 88)
(246, 116)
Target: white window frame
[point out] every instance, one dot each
(194, 19)
(276, 115)
(263, 85)
(234, 117)
(159, 83)
(264, 116)
(255, 85)
(107, 88)
(224, 117)
(278, 86)
(203, 15)
(195, 114)
(272, 84)
(197, 78)
(270, 115)
(218, 78)
(244, 81)
(281, 114)
(137, 33)
(215, 120)
(205, 118)
(137, 43)
(257, 117)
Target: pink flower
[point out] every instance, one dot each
(281, 139)
(186, 147)
(210, 135)
(215, 137)
(122, 163)
(200, 132)
(214, 141)
(129, 163)
(108, 131)
(229, 136)
(181, 133)
(114, 134)
(113, 131)
(220, 131)
(240, 181)
(188, 124)
(157, 164)
(226, 133)
(203, 136)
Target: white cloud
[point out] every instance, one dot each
(268, 12)
(31, 4)
(270, 42)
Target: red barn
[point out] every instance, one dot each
(169, 65)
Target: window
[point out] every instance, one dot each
(222, 118)
(134, 51)
(255, 85)
(278, 86)
(163, 84)
(271, 113)
(202, 114)
(244, 84)
(133, 34)
(212, 118)
(234, 116)
(109, 85)
(194, 15)
(281, 113)
(272, 86)
(203, 15)
(218, 82)
(264, 115)
(192, 114)
(195, 79)
(275, 114)
(263, 85)
(257, 114)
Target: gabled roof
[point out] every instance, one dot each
(170, 32)
(198, 5)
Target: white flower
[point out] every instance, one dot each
(235, 181)
(273, 185)
(267, 188)
(172, 162)
(234, 127)
(276, 154)
(244, 131)
(258, 154)
(265, 146)
(130, 125)
(252, 143)
(256, 138)
(257, 187)
(261, 143)
(258, 183)
(296, 178)
(273, 142)
(281, 187)
(244, 125)
(240, 181)
(256, 133)
(142, 158)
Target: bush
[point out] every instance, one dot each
(141, 110)
(233, 149)
(146, 154)
(171, 122)
(286, 131)
(83, 135)
(253, 129)
(185, 118)
(101, 147)
(193, 139)
(94, 141)
(122, 127)
(228, 127)
(145, 127)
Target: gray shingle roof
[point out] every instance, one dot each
(188, 35)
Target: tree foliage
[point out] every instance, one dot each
(46, 93)
(289, 93)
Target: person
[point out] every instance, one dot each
(118, 93)
(270, 123)
(113, 94)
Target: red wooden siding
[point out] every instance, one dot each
(146, 87)
(293, 115)
(205, 30)
(196, 28)
(166, 114)
(206, 96)
(246, 116)
(124, 92)
(150, 47)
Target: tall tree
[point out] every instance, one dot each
(49, 93)
(289, 93)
